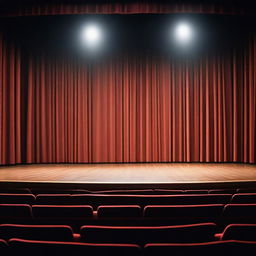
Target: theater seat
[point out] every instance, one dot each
(141, 235)
(231, 247)
(222, 191)
(244, 232)
(183, 211)
(62, 211)
(36, 232)
(244, 198)
(17, 199)
(15, 191)
(243, 212)
(119, 211)
(4, 248)
(15, 211)
(54, 199)
(43, 248)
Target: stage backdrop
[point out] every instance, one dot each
(127, 109)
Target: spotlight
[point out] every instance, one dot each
(183, 33)
(92, 35)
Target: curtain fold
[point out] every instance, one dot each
(127, 109)
(125, 7)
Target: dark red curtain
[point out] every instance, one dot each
(127, 109)
(124, 7)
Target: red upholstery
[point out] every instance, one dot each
(17, 199)
(183, 211)
(38, 248)
(244, 198)
(231, 247)
(36, 232)
(119, 211)
(244, 232)
(62, 211)
(126, 191)
(197, 191)
(15, 211)
(246, 190)
(38, 191)
(141, 235)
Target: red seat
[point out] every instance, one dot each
(62, 211)
(17, 199)
(244, 232)
(143, 200)
(15, 191)
(245, 212)
(244, 198)
(231, 247)
(43, 248)
(58, 199)
(141, 235)
(222, 191)
(15, 211)
(4, 248)
(36, 232)
(183, 211)
(119, 211)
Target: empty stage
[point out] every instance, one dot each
(150, 175)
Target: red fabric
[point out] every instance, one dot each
(127, 109)
(132, 7)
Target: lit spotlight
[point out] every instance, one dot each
(183, 33)
(92, 35)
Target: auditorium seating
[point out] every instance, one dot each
(244, 232)
(244, 198)
(119, 211)
(231, 247)
(62, 211)
(36, 232)
(141, 235)
(15, 211)
(240, 212)
(183, 211)
(17, 199)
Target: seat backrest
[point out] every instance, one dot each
(143, 200)
(15, 191)
(143, 234)
(243, 232)
(42, 248)
(15, 211)
(54, 199)
(126, 192)
(231, 247)
(17, 199)
(119, 211)
(222, 191)
(3, 247)
(36, 232)
(244, 198)
(183, 211)
(240, 211)
(62, 211)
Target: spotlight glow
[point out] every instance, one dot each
(92, 35)
(183, 33)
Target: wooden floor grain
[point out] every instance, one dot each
(129, 173)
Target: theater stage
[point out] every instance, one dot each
(146, 175)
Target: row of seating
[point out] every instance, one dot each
(30, 247)
(129, 211)
(47, 190)
(142, 200)
(141, 235)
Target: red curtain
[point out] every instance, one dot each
(127, 109)
(126, 7)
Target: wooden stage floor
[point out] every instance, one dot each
(147, 174)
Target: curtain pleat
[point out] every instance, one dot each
(127, 109)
